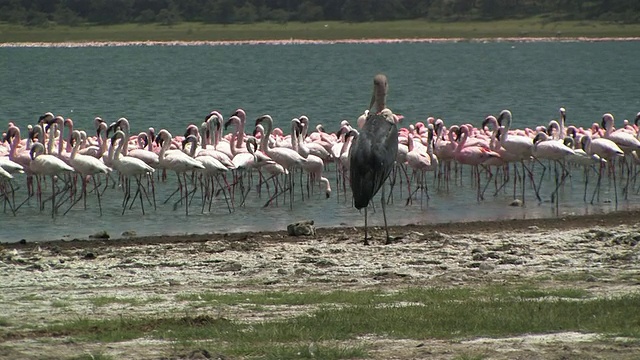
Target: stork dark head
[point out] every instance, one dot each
(379, 96)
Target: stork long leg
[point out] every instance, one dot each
(384, 216)
(366, 233)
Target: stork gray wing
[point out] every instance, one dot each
(371, 158)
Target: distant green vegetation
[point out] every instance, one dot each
(332, 320)
(171, 12)
(331, 30)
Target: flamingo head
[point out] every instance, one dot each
(263, 118)
(192, 129)
(45, 118)
(607, 120)
(505, 115)
(258, 132)
(213, 115)
(489, 120)
(123, 123)
(241, 114)
(113, 128)
(232, 120)
(541, 136)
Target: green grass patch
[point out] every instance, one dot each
(413, 313)
(470, 357)
(323, 30)
(100, 301)
(92, 356)
(31, 297)
(297, 351)
(4, 322)
(378, 296)
(61, 304)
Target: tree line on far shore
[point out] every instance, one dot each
(169, 12)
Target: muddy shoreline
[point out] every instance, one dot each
(627, 217)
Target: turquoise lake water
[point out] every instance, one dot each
(172, 86)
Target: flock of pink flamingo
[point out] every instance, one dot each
(64, 165)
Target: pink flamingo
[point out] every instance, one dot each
(288, 158)
(314, 164)
(474, 156)
(179, 162)
(129, 167)
(605, 149)
(21, 157)
(546, 148)
(211, 172)
(48, 165)
(421, 159)
(87, 166)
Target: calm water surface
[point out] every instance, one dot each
(172, 86)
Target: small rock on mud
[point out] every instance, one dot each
(302, 228)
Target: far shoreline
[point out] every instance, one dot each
(292, 41)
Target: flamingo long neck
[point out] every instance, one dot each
(608, 128)
(450, 133)
(294, 137)
(410, 142)
(464, 134)
(150, 139)
(587, 144)
(219, 135)
(165, 146)
(114, 153)
(61, 139)
(235, 138)
(102, 139)
(206, 137)
(430, 144)
(74, 150)
(192, 150)
(51, 140)
(345, 145)
(69, 147)
(507, 127)
(267, 133)
(264, 142)
(503, 136)
(14, 144)
(111, 153)
(240, 132)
